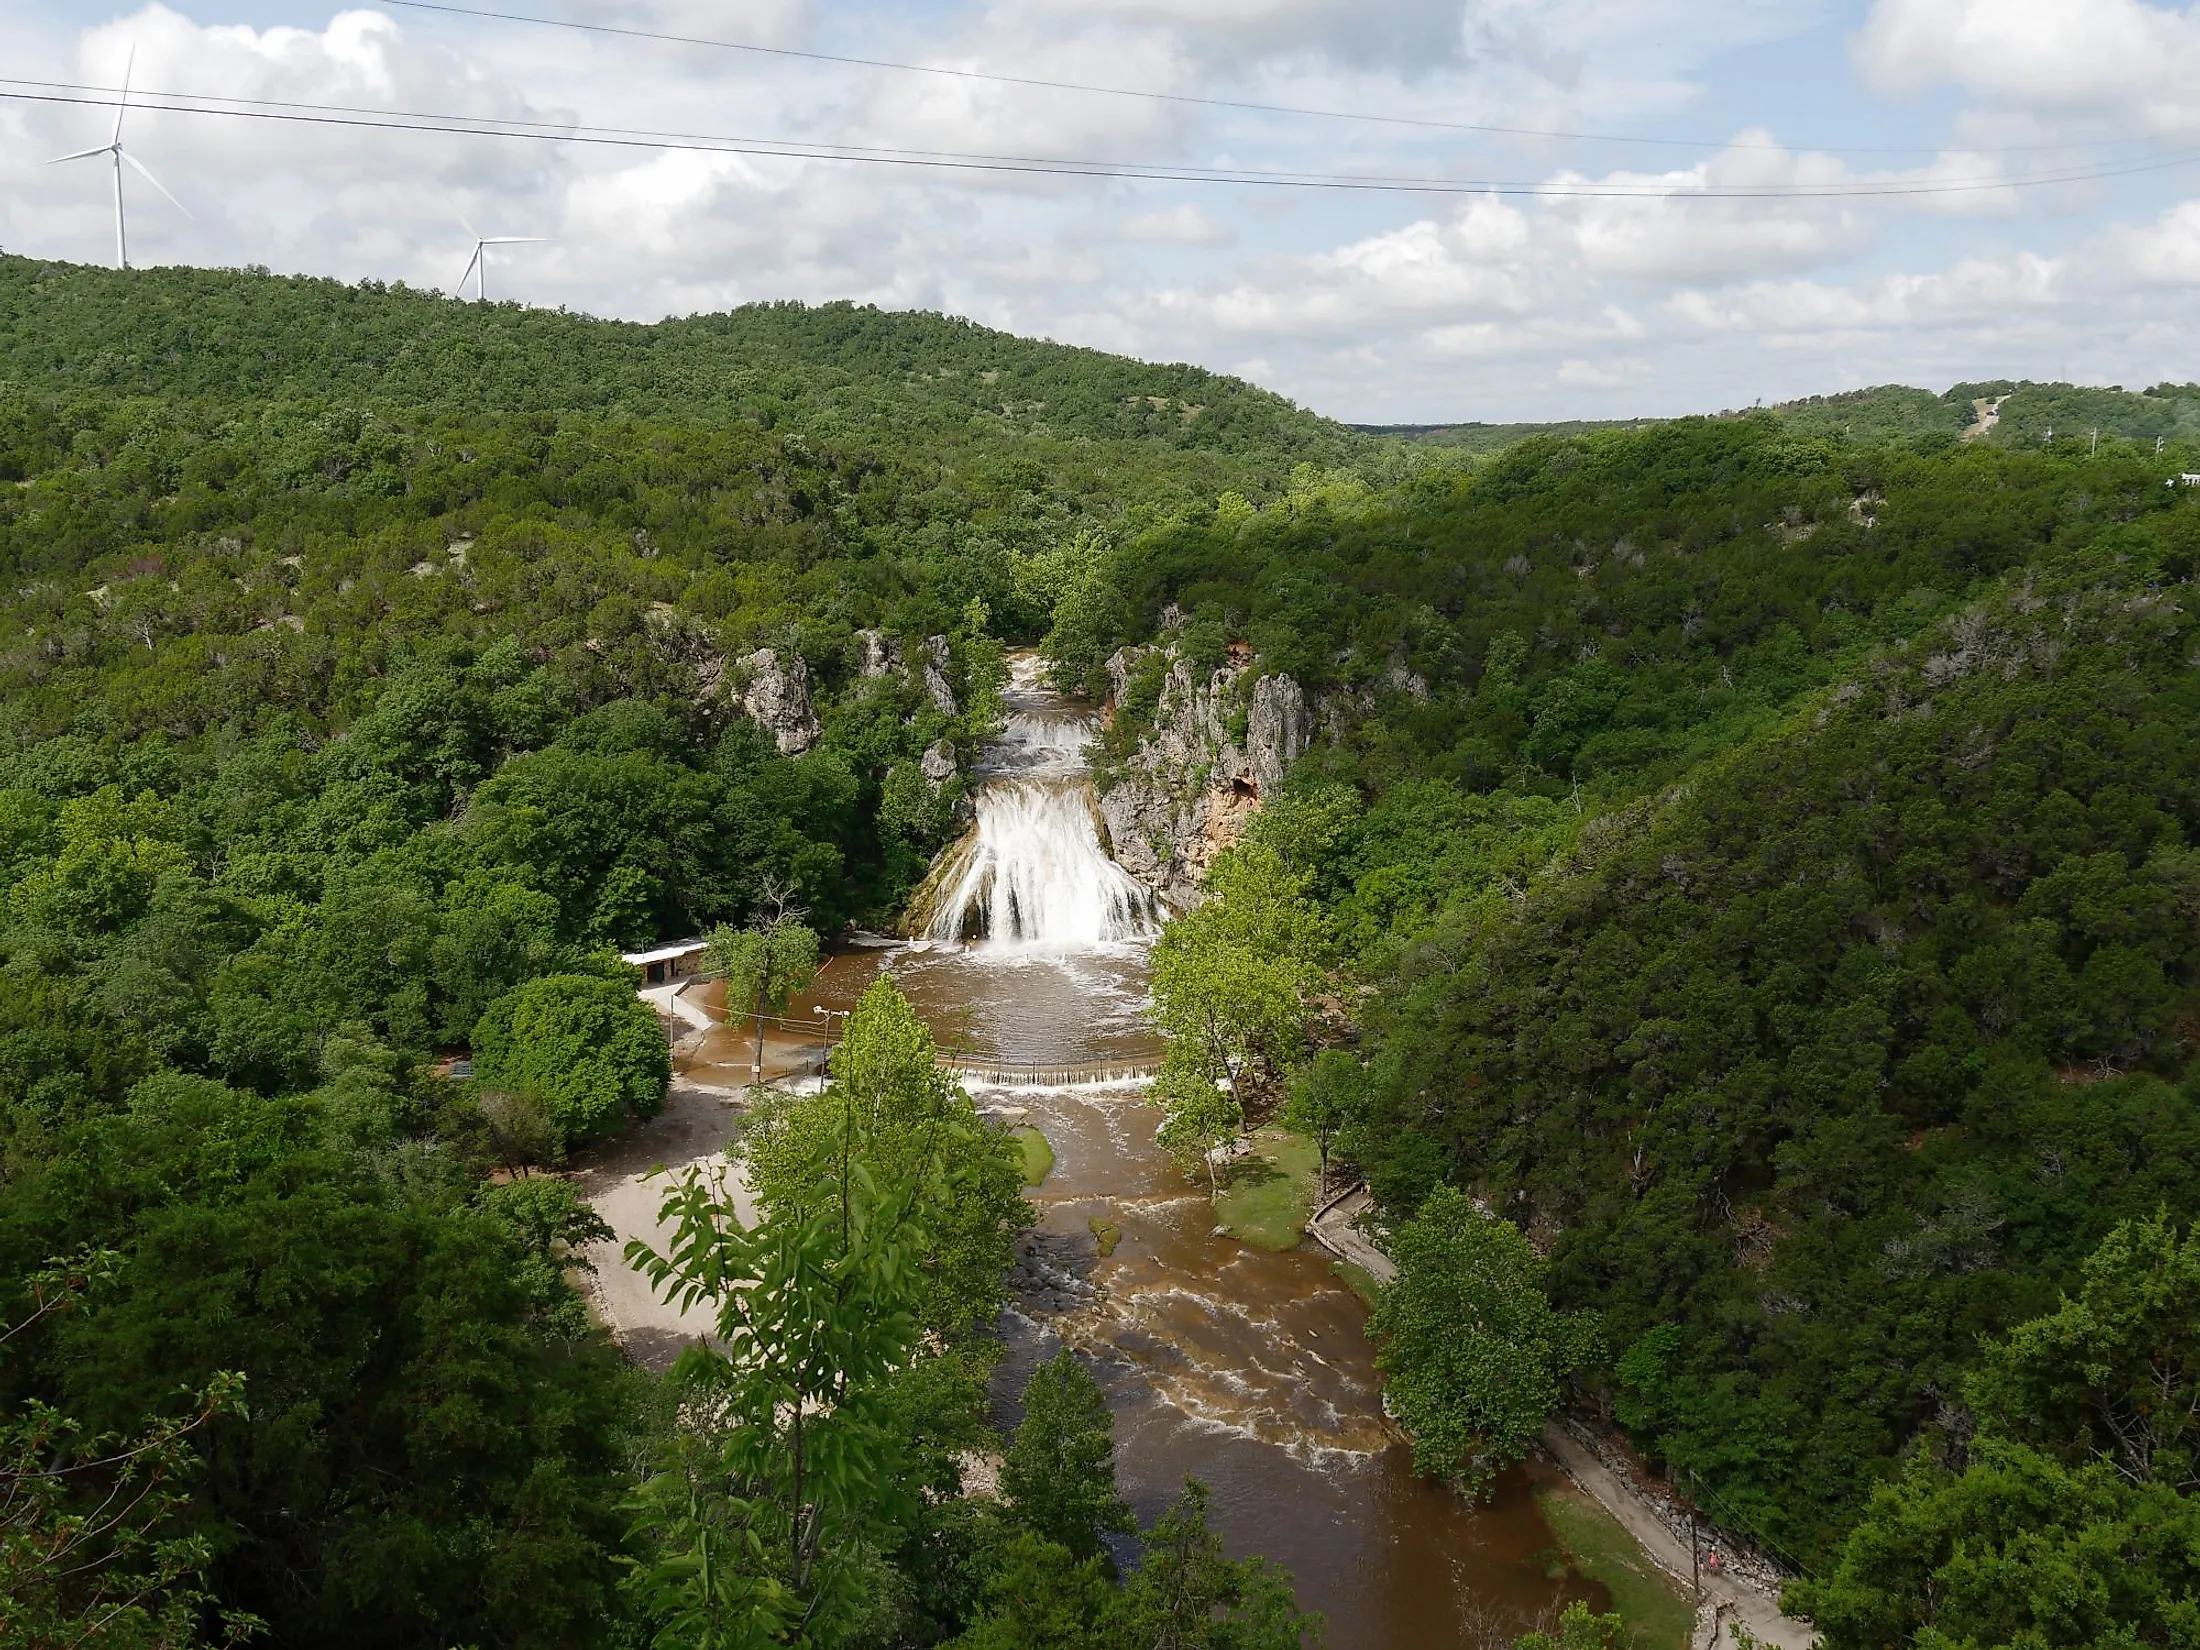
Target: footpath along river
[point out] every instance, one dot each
(1246, 1369)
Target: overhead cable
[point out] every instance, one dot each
(957, 161)
(665, 37)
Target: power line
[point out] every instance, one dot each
(337, 115)
(662, 37)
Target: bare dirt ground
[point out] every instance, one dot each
(625, 1181)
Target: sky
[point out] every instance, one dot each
(1699, 204)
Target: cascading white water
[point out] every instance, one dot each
(1033, 868)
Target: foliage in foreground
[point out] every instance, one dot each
(88, 1554)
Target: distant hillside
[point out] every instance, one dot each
(226, 334)
(2007, 412)
(1490, 438)
(2018, 412)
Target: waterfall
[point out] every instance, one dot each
(1032, 868)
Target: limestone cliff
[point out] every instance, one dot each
(1215, 748)
(775, 694)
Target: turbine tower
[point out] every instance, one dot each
(121, 157)
(478, 265)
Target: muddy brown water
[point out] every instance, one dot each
(1248, 1370)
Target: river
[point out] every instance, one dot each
(1247, 1369)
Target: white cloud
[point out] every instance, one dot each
(2116, 60)
(1973, 292)
(1183, 224)
(1413, 35)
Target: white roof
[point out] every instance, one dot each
(663, 953)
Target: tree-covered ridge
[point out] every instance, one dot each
(2026, 414)
(1772, 855)
(1849, 1051)
(246, 336)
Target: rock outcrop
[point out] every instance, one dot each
(938, 765)
(881, 653)
(775, 694)
(1184, 794)
(935, 675)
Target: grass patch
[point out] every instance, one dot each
(1359, 1280)
(1658, 1613)
(1038, 1155)
(1106, 1234)
(1270, 1192)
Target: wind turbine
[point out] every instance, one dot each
(478, 265)
(120, 156)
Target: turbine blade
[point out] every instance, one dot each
(83, 154)
(515, 240)
(146, 174)
(129, 63)
(468, 270)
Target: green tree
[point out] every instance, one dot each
(1188, 1594)
(1042, 1597)
(427, 1455)
(2075, 1519)
(585, 1048)
(1472, 1353)
(550, 1227)
(1231, 978)
(91, 1549)
(1326, 1099)
(766, 1518)
(763, 968)
(2113, 1374)
(1058, 1477)
(1200, 1118)
(1578, 1628)
(900, 1112)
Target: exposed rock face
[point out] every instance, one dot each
(935, 675)
(1403, 678)
(939, 763)
(777, 698)
(1185, 793)
(881, 653)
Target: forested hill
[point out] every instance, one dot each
(1768, 864)
(2003, 412)
(840, 367)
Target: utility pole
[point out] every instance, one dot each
(2094, 450)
